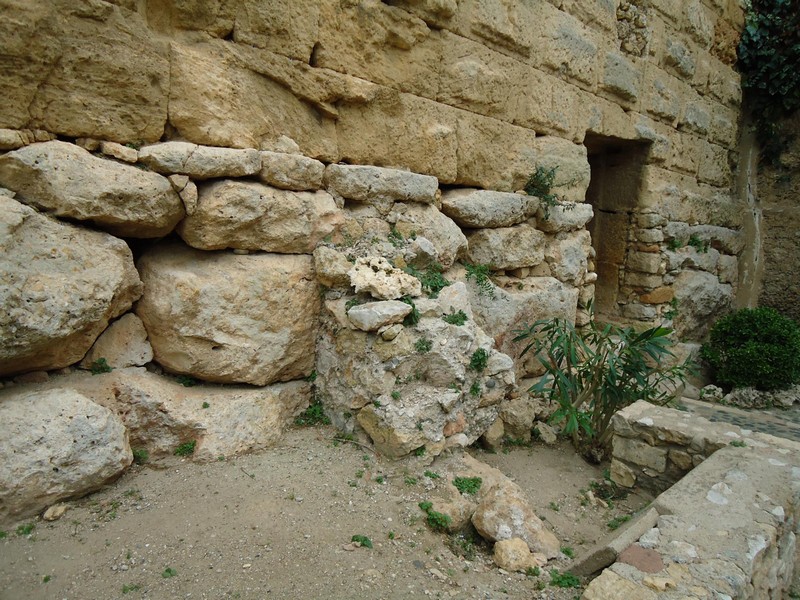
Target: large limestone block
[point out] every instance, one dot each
(291, 171)
(288, 27)
(161, 414)
(403, 131)
(379, 43)
(70, 182)
(234, 105)
(485, 208)
(380, 187)
(702, 299)
(507, 247)
(230, 318)
(59, 288)
(374, 315)
(252, 216)
(429, 222)
(567, 255)
(88, 69)
(200, 162)
(564, 217)
(55, 444)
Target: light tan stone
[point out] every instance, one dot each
(200, 162)
(507, 247)
(563, 217)
(47, 455)
(70, 182)
(483, 208)
(377, 277)
(380, 187)
(640, 453)
(610, 586)
(514, 555)
(331, 267)
(428, 222)
(123, 344)
(229, 318)
(120, 152)
(50, 320)
(291, 171)
(252, 216)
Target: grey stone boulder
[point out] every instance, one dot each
(200, 162)
(485, 208)
(54, 445)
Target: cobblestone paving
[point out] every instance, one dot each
(780, 422)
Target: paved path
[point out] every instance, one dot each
(783, 423)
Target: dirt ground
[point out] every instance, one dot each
(279, 525)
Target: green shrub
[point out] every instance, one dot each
(458, 318)
(480, 274)
(468, 485)
(754, 347)
(594, 372)
(479, 360)
(313, 415)
(100, 366)
(186, 449)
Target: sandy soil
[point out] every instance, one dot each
(279, 525)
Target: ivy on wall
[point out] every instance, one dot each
(769, 60)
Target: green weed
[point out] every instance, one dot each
(568, 551)
(363, 540)
(479, 360)
(616, 522)
(187, 380)
(432, 475)
(100, 366)
(480, 274)
(563, 580)
(186, 449)
(313, 415)
(25, 529)
(169, 572)
(423, 345)
(133, 587)
(458, 318)
(468, 485)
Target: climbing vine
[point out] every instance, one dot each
(769, 55)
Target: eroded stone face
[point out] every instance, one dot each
(376, 276)
(47, 454)
(230, 318)
(70, 182)
(61, 285)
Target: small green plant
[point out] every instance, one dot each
(169, 572)
(420, 451)
(568, 551)
(313, 415)
(3, 535)
(698, 244)
(458, 318)
(46, 579)
(540, 184)
(617, 522)
(312, 377)
(140, 455)
(206, 405)
(533, 571)
(363, 540)
(395, 237)
(423, 345)
(480, 274)
(25, 529)
(468, 485)
(554, 506)
(672, 311)
(479, 360)
(436, 520)
(431, 278)
(738, 444)
(594, 372)
(100, 366)
(411, 318)
(754, 347)
(380, 479)
(133, 587)
(564, 580)
(391, 535)
(351, 303)
(187, 380)
(475, 389)
(432, 475)
(395, 395)
(674, 244)
(186, 449)
(408, 480)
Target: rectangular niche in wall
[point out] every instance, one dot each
(614, 193)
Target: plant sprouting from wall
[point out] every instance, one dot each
(594, 372)
(480, 275)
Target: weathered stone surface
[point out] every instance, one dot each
(161, 414)
(123, 344)
(69, 182)
(61, 285)
(430, 223)
(252, 216)
(55, 445)
(564, 217)
(291, 171)
(503, 513)
(374, 315)
(229, 318)
(120, 152)
(484, 208)
(514, 555)
(331, 267)
(380, 187)
(375, 276)
(702, 300)
(567, 256)
(200, 162)
(507, 247)
(518, 415)
(89, 70)
(610, 586)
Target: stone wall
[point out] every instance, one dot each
(241, 192)
(725, 529)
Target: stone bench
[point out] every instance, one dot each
(725, 530)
